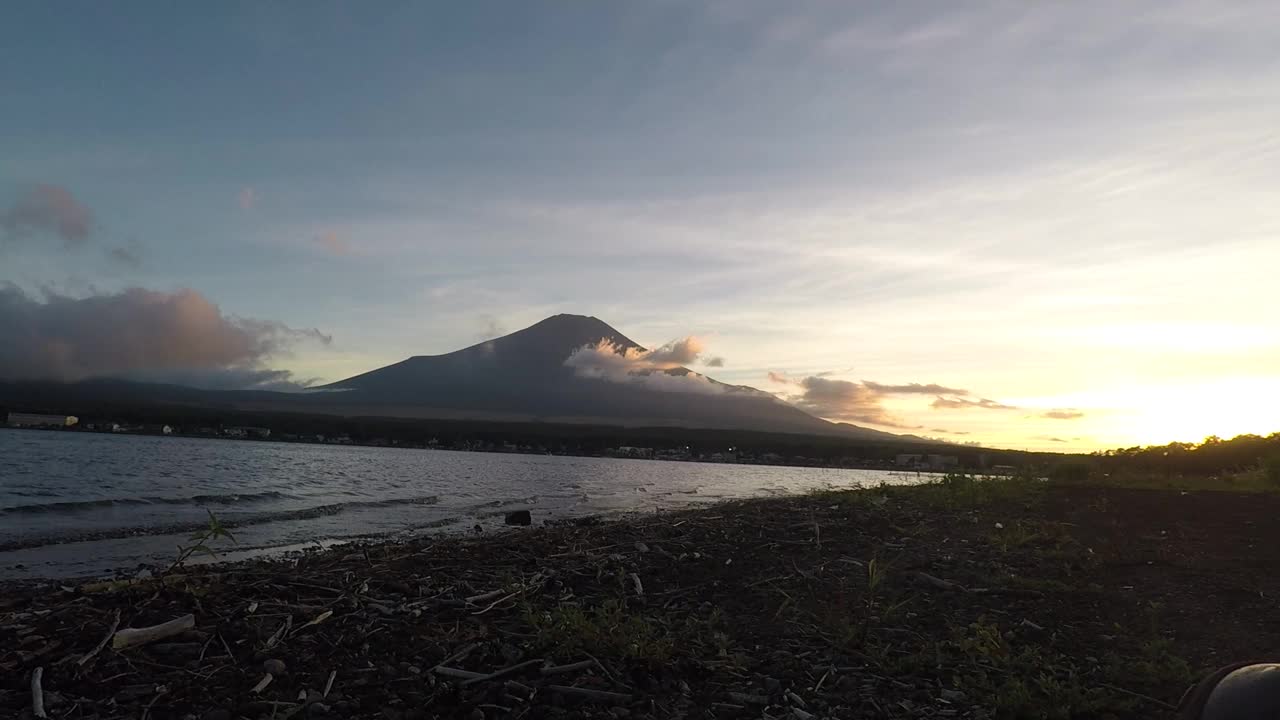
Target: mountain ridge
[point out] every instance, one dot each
(524, 376)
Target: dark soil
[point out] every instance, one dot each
(1004, 599)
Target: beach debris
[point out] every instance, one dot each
(518, 517)
(596, 621)
(571, 667)
(328, 685)
(589, 694)
(37, 693)
(133, 637)
(263, 683)
(115, 623)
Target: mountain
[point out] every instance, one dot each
(521, 377)
(524, 376)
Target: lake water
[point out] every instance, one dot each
(82, 503)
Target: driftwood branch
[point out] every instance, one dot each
(509, 670)
(263, 683)
(115, 623)
(597, 695)
(937, 583)
(131, 637)
(329, 683)
(571, 667)
(37, 693)
(465, 651)
(456, 673)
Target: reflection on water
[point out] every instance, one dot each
(135, 497)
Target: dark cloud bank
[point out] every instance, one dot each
(140, 334)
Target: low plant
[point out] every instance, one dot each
(202, 541)
(608, 629)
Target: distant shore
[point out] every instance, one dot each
(990, 599)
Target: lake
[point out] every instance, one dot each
(75, 504)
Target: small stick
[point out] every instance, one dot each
(279, 634)
(496, 603)
(329, 684)
(456, 673)
(226, 647)
(147, 710)
(509, 670)
(482, 597)
(822, 680)
(115, 623)
(938, 583)
(601, 695)
(605, 669)
(130, 637)
(571, 667)
(465, 651)
(37, 693)
(635, 580)
(263, 683)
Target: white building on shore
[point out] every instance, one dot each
(38, 420)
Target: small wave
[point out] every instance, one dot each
(70, 506)
(282, 516)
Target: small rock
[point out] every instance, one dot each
(772, 685)
(275, 666)
(414, 670)
(216, 714)
(519, 517)
(478, 714)
(641, 547)
(620, 712)
(318, 710)
(951, 695)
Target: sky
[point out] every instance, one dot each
(1032, 225)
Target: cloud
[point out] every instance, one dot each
(684, 351)
(913, 389)
(842, 400)
(864, 401)
(660, 369)
(140, 334)
(1063, 414)
(716, 361)
(333, 244)
(954, 403)
(125, 256)
(944, 431)
(48, 209)
(248, 198)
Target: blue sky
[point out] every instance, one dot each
(1058, 206)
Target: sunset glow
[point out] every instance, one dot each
(1064, 214)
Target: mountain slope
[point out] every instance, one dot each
(524, 375)
(520, 377)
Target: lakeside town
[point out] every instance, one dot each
(905, 461)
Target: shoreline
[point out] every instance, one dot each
(991, 599)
